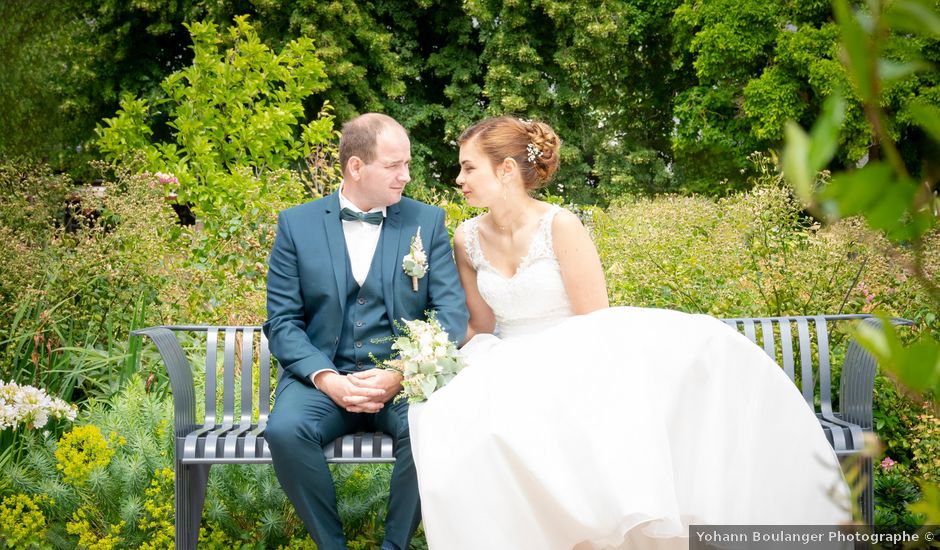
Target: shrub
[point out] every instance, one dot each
(80, 290)
(238, 151)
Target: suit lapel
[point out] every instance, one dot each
(391, 245)
(336, 241)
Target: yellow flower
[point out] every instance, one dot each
(81, 451)
(22, 523)
(88, 535)
(158, 519)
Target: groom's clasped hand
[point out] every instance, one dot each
(366, 391)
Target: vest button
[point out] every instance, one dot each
(361, 301)
(359, 323)
(358, 344)
(359, 364)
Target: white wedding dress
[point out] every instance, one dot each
(615, 429)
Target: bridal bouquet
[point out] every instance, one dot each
(427, 360)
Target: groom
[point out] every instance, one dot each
(336, 288)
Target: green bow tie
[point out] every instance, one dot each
(375, 218)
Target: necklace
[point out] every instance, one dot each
(505, 228)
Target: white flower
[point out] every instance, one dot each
(30, 406)
(415, 263)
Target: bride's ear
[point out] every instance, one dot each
(509, 167)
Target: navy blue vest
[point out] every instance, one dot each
(366, 319)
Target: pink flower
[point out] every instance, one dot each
(166, 179)
(887, 464)
(869, 295)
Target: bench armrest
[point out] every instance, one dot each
(856, 390)
(181, 377)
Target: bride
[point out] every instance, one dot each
(580, 426)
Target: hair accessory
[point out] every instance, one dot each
(533, 152)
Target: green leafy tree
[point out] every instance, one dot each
(238, 148)
(236, 120)
(66, 64)
(758, 65)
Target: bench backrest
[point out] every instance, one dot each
(225, 354)
(802, 346)
(236, 350)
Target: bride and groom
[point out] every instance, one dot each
(575, 425)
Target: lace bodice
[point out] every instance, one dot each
(534, 298)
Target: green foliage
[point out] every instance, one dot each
(745, 255)
(72, 291)
(758, 65)
(239, 151)
(883, 192)
(898, 205)
(110, 481)
(894, 492)
(96, 478)
(235, 115)
(66, 64)
(22, 523)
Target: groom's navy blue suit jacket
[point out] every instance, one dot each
(307, 284)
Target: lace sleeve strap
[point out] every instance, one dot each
(471, 242)
(544, 243)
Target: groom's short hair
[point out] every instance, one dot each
(359, 136)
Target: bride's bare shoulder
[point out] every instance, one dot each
(566, 223)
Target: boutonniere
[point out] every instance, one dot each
(415, 263)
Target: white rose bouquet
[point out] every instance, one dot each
(427, 360)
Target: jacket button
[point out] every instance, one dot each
(358, 344)
(359, 323)
(362, 301)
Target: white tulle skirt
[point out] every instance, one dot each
(618, 429)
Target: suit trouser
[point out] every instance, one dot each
(304, 419)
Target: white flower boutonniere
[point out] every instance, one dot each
(415, 263)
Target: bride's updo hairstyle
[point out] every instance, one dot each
(533, 145)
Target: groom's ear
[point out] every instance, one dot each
(354, 166)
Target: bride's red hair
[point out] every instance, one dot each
(533, 145)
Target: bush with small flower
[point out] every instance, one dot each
(30, 407)
(83, 525)
(22, 522)
(82, 451)
(894, 493)
(427, 360)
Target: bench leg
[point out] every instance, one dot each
(191, 480)
(867, 498)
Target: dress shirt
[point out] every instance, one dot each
(361, 241)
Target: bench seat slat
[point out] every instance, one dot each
(205, 444)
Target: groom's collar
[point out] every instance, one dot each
(346, 203)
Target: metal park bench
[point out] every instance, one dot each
(232, 431)
(236, 436)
